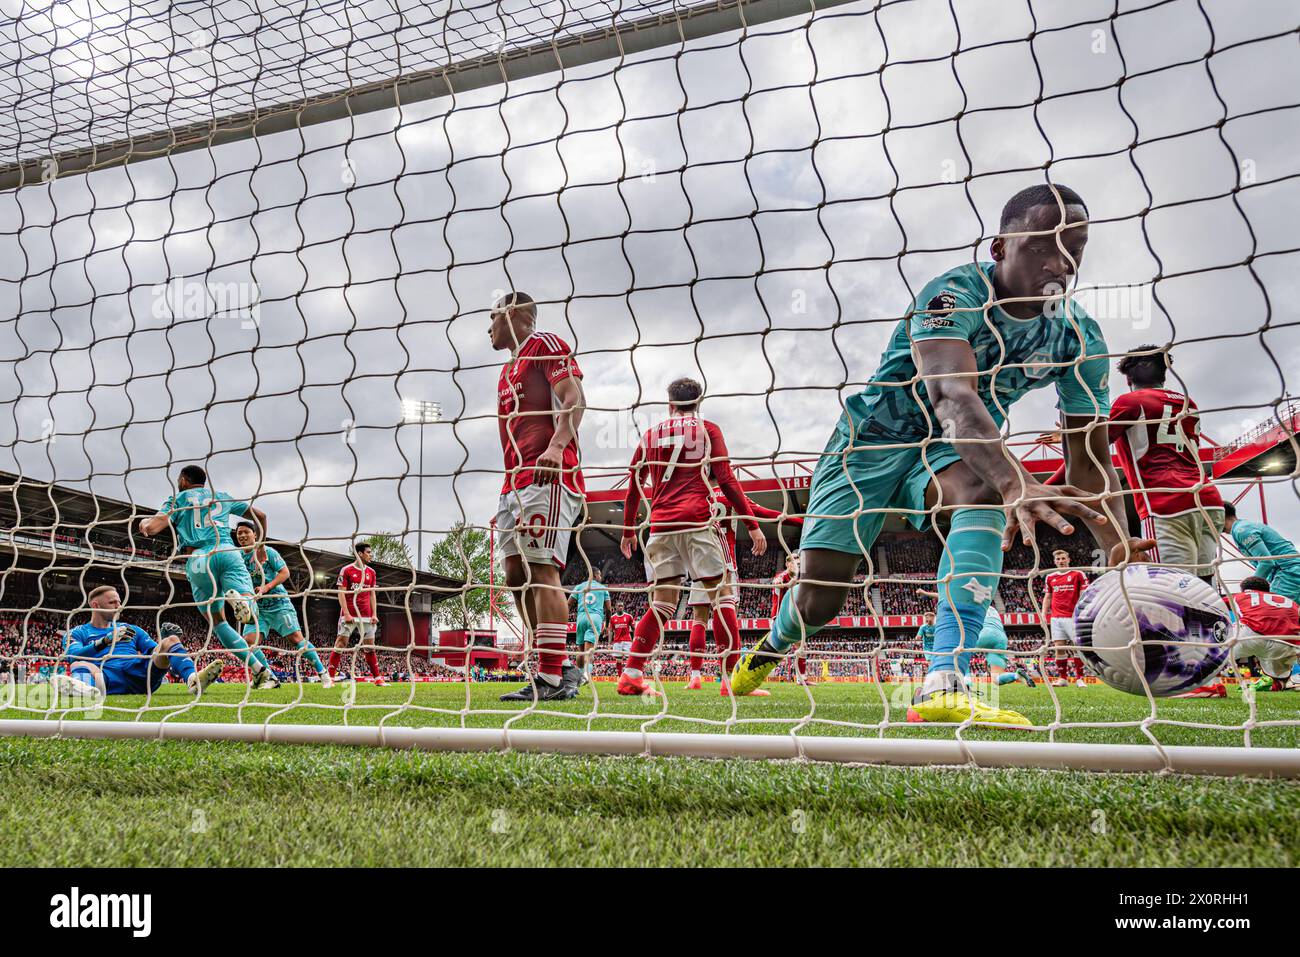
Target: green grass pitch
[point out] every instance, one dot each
(184, 804)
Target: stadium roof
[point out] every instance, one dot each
(1266, 451)
(62, 533)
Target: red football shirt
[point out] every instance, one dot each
(682, 457)
(1063, 591)
(1156, 433)
(355, 582)
(526, 406)
(781, 583)
(1267, 614)
(727, 515)
(622, 625)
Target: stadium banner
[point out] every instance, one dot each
(858, 622)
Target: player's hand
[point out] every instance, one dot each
(548, 466)
(169, 629)
(1132, 550)
(627, 546)
(757, 541)
(1050, 504)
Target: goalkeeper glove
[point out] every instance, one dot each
(169, 629)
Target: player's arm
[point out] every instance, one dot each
(75, 648)
(154, 524)
(1253, 545)
(342, 585)
(568, 416)
(926, 593)
(632, 502)
(281, 574)
(259, 519)
(1088, 466)
(950, 374)
(720, 468)
(759, 511)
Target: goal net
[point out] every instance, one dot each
(267, 240)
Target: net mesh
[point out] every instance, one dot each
(266, 238)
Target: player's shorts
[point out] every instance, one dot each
(123, 676)
(213, 573)
(1062, 630)
(853, 483)
(699, 595)
(992, 640)
(622, 647)
(1187, 540)
(357, 626)
(695, 552)
(1275, 655)
(537, 522)
(282, 621)
(589, 629)
(1286, 583)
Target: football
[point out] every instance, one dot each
(1152, 623)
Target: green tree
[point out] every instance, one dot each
(388, 549)
(465, 554)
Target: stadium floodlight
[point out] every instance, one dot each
(420, 412)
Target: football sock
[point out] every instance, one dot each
(787, 629)
(372, 662)
(335, 657)
(968, 575)
(549, 637)
(648, 630)
(696, 646)
(180, 663)
(726, 633)
(309, 652)
(231, 640)
(1007, 677)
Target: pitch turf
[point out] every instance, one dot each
(171, 803)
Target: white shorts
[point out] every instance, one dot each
(1062, 631)
(700, 595)
(1275, 655)
(622, 647)
(1187, 540)
(366, 629)
(697, 552)
(538, 521)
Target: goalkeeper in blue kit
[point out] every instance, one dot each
(116, 658)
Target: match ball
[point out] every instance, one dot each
(1144, 621)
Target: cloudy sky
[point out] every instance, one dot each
(756, 211)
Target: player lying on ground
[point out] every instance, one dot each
(358, 613)
(1061, 591)
(215, 567)
(590, 602)
(698, 599)
(539, 409)
(275, 612)
(680, 459)
(925, 436)
(992, 641)
(108, 657)
(1268, 628)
